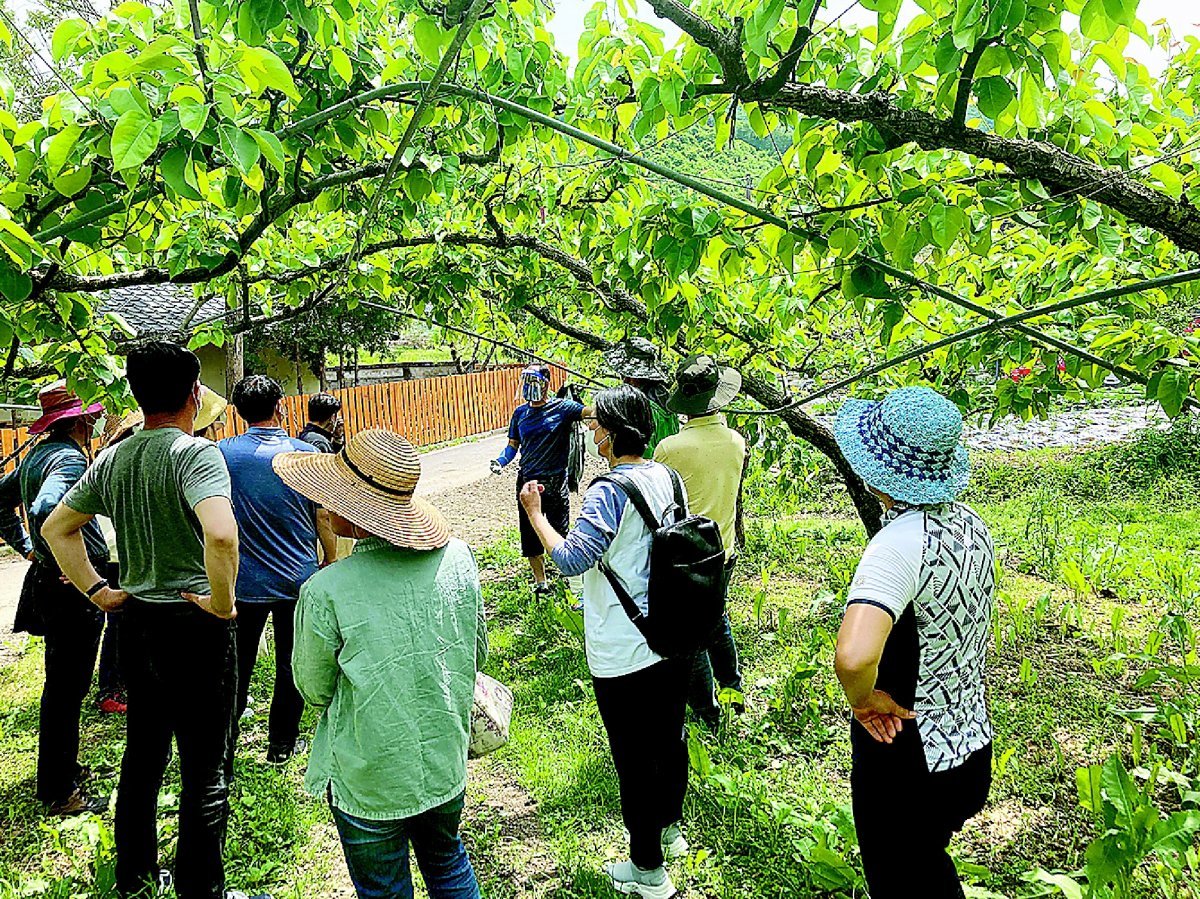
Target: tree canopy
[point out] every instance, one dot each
(895, 187)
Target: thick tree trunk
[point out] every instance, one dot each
(814, 433)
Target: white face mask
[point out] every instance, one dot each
(592, 446)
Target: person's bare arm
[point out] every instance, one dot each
(220, 556)
(326, 537)
(63, 532)
(864, 632)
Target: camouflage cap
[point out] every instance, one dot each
(636, 357)
(702, 386)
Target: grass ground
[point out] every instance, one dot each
(1095, 550)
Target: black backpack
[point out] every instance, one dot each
(576, 452)
(687, 574)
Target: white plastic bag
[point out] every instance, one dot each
(491, 715)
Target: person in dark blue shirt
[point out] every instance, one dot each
(541, 430)
(279, 530)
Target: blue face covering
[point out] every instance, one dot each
(533, 388)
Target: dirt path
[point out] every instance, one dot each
(12, 574)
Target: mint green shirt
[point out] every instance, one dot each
(387, 645)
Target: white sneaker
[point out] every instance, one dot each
(674, 843)
(630, 880)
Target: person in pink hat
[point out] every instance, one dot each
(50, 608)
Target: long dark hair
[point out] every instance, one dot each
(625, 413)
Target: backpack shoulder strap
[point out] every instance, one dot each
(677, 484)
(627, 603)
(626, 485)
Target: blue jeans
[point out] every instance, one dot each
(377, 854)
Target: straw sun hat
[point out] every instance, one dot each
(212, 407)
(370, 483)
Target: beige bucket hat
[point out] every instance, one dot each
(370, 483)
(212, 407)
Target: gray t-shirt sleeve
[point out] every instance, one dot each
(87, 496)
(204, 474)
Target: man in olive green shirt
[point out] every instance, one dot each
(168, 496)
(710, 457)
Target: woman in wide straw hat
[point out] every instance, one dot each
(388, 642)
(912, 649)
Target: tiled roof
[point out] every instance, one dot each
(156, 310)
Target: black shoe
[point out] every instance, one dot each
(238, 894)
(542, 588)
(77, 803)
(279, 754)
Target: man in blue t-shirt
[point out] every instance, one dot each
(541, 430)
(279, 532)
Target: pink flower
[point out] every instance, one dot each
(1020, 374)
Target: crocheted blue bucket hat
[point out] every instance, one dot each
(908, 446)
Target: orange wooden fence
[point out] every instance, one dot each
(426, 411)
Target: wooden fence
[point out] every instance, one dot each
(426, 411)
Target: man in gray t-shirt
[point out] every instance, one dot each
(168, 496)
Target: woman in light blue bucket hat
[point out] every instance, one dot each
(912, 650)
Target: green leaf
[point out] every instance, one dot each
(1171, 180)
(175, 171)
(192, 117)
(844, 242)
(1108, 240)
(134, 139)
(341, 64)
(429, 39)
(993, 95)
(417, 185)
(1087, 783)
(1122, 12)
(1118, 789)
(239, 147)
(262, 69)
(266, 13)
(945, 223)
(60, 147)
(15, 284)
(762, 22)
(968, 22)
(1030, 104)
(1173, 389)
(70, 184)
(64, 36)
(272, 150)
(1095, 23)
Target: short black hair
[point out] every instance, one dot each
(323, 406)
(256, 396)
(161, 376)
(625, 413)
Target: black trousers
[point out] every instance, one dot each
(717, 660)
(643, 715)
(287, 705)
(905, 815)
(110, 680)
(72, 626)
(181, 676)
